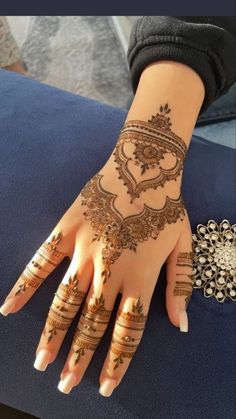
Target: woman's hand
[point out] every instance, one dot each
(126, 222)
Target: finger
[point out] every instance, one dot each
(45, 260)
(180, 279)
(90, 329)
(127, 334)
(65, 305)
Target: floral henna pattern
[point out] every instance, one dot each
(153, 141)
(94, 320)
(124, 346)
(185, 259)
(65, 305)
(47, 256)
(119, 233)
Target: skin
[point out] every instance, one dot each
(134, 273)
(17, 68)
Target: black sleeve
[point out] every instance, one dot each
(205, 43)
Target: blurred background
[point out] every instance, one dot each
(82, 54)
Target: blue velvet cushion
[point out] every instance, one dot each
(51, 143)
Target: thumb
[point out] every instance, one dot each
(180, 278)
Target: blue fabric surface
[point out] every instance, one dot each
(223, 133)
(218, 122)
(222, 109)
(51, 143)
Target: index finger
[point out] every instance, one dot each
(47, 257)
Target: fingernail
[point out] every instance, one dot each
(42, 360)
(7, 307)
(66, 385)
(183, 321)
(107, 387)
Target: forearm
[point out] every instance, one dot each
(173, 83)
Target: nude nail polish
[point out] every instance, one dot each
(42, 360)
(107, 387)
(7, 307)
(68, 382)
(183, 321)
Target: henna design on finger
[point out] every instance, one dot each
(29, 279)
(68, 299)
(49, 252)
(190, 276)
(153, 141)
(118, 232)
(126, 338)
(124, 347)
(184, 288)
(184, 259)
(46, 254)
(94, 320)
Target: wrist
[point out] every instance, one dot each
(173, 83)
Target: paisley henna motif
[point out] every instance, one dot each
(44, 261)
(153, 141)
(117, 232)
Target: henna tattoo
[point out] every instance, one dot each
(185, 256)
(47, 254)
(124, 347)
(183, 288)
(188, 275)
(29, 280)
(95, 320)
(184, 259)
(68, 299)
(48, 251)
(153, 141)
(126, 338)
(117, 232)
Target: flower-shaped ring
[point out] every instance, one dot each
(214, 260)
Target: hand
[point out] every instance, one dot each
(126, 222)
